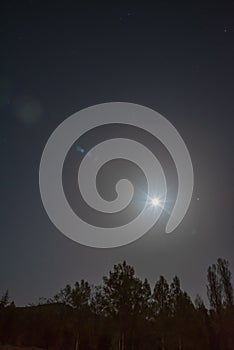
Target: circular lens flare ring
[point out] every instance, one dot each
(69, 131)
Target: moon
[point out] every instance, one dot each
(155, 202)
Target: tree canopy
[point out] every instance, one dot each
(126, 313)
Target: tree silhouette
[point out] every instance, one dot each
(125, 299)
(225, 281)
(214, 289)
(4, 301)
(123, 314)
(182, 310)
(162, 308)
(220, 294)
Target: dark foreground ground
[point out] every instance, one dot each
(9, 347)
(125, 313)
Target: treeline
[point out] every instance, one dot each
(124, 313)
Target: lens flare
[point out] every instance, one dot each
(69, 132)
(155, 202)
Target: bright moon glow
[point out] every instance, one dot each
(155, 202)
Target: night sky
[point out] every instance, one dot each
(58, 58)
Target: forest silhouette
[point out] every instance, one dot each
(126, 313)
